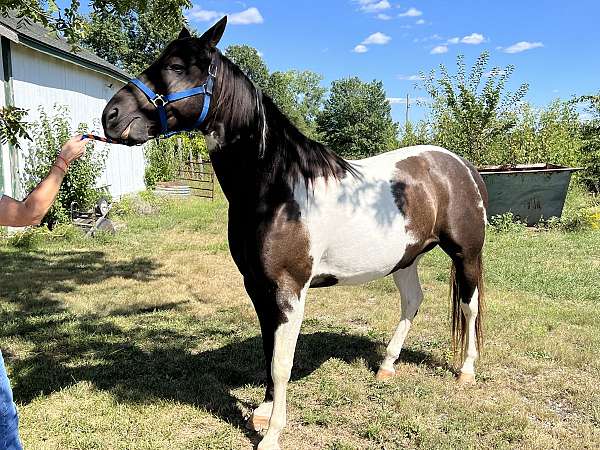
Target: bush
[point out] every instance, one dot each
(503, 223)
(49, 134)
(551, 134)
(163, 157)
(591, 147)
(471, 116)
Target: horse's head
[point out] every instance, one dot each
(132, 116)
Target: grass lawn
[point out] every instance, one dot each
(148, 340)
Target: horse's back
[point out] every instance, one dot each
(362, 228)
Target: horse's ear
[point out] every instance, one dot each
(184, 33)
(214, 34)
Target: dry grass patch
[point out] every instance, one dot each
(148, 340)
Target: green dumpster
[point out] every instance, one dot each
(530, 191)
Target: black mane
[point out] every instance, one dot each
(283, 150)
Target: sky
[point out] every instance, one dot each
(554, 45)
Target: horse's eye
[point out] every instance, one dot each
(177, 68)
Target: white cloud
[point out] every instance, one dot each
(454, 40)
(411, 12)
(522, 46)
(438, 50)
(420, 22)
(402, 100)
(360, 49)
(494, 73)
(247, 17)
(473, 38)
(410, 77)
(377, 39)
(203, 15)
(383, 17)
(372, 6)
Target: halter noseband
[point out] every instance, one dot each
(160, 101)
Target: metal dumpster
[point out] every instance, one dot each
(530, 191)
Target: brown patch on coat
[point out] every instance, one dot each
(285, 253)
(412, 191)
(440, 196)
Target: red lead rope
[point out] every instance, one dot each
(98, 138)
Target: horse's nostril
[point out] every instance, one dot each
(113, 114)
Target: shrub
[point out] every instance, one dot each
(591, 147)
(49, 134)
(551, 134)
(503, 223)
(163, 157)
(469, 115)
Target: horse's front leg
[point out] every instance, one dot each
(287, 317)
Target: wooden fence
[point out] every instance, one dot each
(199, 176)
(195, 173)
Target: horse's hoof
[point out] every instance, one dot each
(257, 423)
(268, 445)
(384, 374)
(465, 379)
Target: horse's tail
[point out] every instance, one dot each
(458, 321)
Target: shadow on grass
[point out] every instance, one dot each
(160, 353)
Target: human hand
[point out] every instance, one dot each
(73, 149)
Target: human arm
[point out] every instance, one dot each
(32, 210)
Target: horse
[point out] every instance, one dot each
(302, 217)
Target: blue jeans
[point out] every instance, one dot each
(9, 422)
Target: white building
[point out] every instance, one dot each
(40, 69)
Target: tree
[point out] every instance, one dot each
(299, 95)
(591, 148)
(356, 120)
(133, 40)
(69, 22)
(249, 60)
(12, 125)
(466, 116)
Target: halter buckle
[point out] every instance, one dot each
(212, 70)
(163, 101)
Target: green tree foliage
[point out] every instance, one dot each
(414, 134)
(356, 120)
(249, 60)
(468, 114)
(299, 95)
(132, 40)
(591, 148)
(12, 125)
(550, 134)
(50, 133)
(68, 20)
(164, 156)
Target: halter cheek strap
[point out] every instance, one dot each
(160, 101)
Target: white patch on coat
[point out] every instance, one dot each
(470, 311)
(411, 296)
(286, 336)
(356, 231)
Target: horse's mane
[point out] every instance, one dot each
(283, 150)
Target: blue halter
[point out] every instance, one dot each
(160, 101)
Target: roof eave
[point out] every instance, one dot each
(70, 57)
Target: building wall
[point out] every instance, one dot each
(42, 80)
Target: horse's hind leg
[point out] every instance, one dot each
(467, 302)
(411, 295)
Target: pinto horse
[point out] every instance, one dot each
(301, 217)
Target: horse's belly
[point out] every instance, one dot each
(360, 246)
